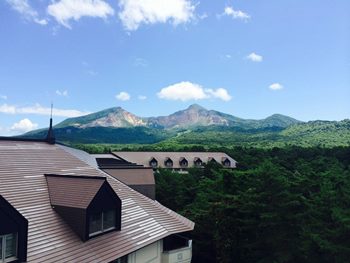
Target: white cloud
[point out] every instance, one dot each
(186, 90)
(219, 93)
(24, 8)
(140, 62)
(142, 97)
(254, 57)
(24, 125)
(3, 97)
(236, 14)
(65, 10)
(63, 93)
(136, 12)
(123, 96)
(276, 86)
(40, 110)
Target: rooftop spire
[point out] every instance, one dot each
(50, 138)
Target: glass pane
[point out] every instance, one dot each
(0, 247)
(108, 219)
(10, 241)
(124, 259)
(95, 223)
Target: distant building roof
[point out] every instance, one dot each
(136, 176)
(23, 165)
(144, 158)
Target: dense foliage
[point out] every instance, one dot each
(274, 131)
(310, 134)
(279, 205)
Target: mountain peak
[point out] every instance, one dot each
(196, 107)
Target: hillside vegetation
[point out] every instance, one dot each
(281, 205)
(197, 126)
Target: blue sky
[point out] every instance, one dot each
(250, 59)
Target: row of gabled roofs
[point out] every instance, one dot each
(176, 160)
(24, 170)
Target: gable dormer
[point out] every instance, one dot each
(168, 162)
(88, 204)
(13, 233)
(225, 162)
(183, 162)
(211, 160)
(153, 162)
(197, 162)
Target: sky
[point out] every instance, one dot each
(250, 59)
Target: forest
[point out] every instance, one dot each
(280, 205)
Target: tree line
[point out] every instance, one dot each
(280, 205)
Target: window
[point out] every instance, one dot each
(122, 259)
(8, 247)
(102, 222)
(108, 219)
(153, 163)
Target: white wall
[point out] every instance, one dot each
(149, 254)
(153, 253)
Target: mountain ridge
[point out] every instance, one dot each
(193, 116)
(197, 125)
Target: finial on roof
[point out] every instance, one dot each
(50, 138)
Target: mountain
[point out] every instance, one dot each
(193, 116)
(113, 117)
(196, 125)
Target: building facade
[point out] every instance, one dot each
(56, 206)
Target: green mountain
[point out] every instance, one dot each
(197, 125)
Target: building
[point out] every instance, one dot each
(136, 176)
(179, 161)
(57, 206)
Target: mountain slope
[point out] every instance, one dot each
(193, 116)
(112, 117)
(197, 125)
(313, 133)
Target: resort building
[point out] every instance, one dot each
(57, 205)
(178, 161)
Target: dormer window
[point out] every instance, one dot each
(225, 162)
(8, 247)
(197, 162)
(168, 162)
(88, 204)
(153, 162)
(211, 160)
(13, 233)
(183, 162)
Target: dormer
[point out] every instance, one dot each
(88, 204)
(168, 162)
(153, 162)
(183, 162)
(13, 233)
(225, 162)
(211, 160)
(197, 162)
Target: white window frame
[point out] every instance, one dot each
(3, 247)
(103, 230)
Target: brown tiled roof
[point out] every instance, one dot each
(139, 176)
(50, 239)
(73, 191)
(144, 157)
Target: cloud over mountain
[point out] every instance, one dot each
(186, 91)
